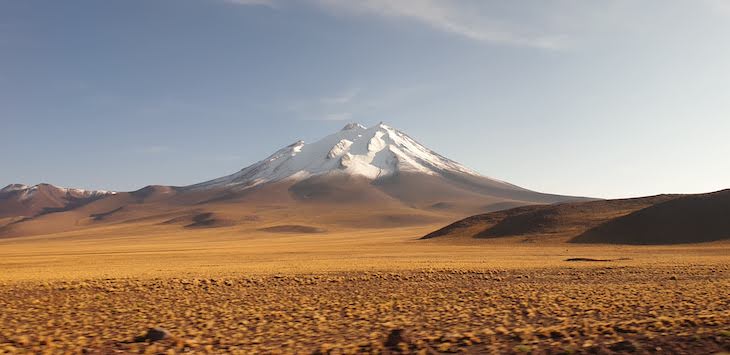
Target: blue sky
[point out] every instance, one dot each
(595, 98)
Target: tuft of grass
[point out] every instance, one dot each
(442, 309)
(522, 348)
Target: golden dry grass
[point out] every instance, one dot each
(227, 290)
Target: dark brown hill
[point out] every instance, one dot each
(562, 221)
(688, 219)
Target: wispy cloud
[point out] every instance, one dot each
(455, 17)
(548, 25)
(462, 18)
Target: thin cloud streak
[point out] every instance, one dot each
(444, 16)
(450, 17)
(559, 24)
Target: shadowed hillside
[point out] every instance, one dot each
(688, 219)
(562, 221)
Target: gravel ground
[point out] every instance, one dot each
(601, 309)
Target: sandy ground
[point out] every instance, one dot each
(228, 290)
(159, 251)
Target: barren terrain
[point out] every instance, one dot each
(653, 220)
(227, 290)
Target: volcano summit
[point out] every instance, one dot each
(356, 177)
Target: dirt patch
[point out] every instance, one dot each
(592, 259)
(250, 218)
(293, 228)
(199, 220)
(207, 220)
(393, 220)
(103, 215)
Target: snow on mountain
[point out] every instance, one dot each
(14, 187)
(374, 153)
(22, 200)
(25, 192)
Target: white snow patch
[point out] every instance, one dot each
(372, 152)
(14, 187)
(339, 149)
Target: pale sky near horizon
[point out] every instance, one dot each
(593, 98)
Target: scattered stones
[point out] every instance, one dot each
(154, 334)
(623, 346)
(396, 337)
(626, 309)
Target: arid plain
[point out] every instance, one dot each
(362, 242)
(526, 177)
(239, 289)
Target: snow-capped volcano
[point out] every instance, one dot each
(359, 177)
(374, 153)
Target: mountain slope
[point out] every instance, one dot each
(558, 222)
(17, 200)
(374, 152)
(358, 177)
(688, 219)
(393, 163)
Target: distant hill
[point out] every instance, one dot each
(18, 200)
(662, 219)
(687, 219)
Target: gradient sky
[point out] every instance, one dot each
(594, 98)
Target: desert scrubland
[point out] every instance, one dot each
(346, 291)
